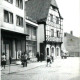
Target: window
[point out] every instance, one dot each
(51, 17)
(19, 3)
(19, 21)
(8, 17)
(10, 1)
(47, 51)
(34, 31)
(57, 20)
(58, 34)
(52, 32)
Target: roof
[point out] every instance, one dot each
(38, 9)
(53, 2)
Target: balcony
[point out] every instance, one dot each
(53, 39)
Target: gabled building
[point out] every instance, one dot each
(12, 26)
(71, 44)
(50, 29)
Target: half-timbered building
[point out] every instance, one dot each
(50, 29)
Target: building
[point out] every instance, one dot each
(31, 40)
(71, 44)
(12, 26)
(50, 29)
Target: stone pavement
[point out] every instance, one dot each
(13, 68)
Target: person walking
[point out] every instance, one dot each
(52, 59)
(22, 59)
(3, 60)
(25, 59)
(48, 60)
(37, 55)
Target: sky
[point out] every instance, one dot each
(69, 10)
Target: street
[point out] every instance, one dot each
(61, 69)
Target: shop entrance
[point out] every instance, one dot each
(7, 49)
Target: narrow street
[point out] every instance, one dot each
(61, 69)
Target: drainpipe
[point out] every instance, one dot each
(0, 50)
(45, 38)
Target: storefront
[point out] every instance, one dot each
(12, 44)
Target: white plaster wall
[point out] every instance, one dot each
(40, 36)
(16, 11)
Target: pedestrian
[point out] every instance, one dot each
(22, 59)
(25, 59)
(41, 57)
(52, 59)
(48, 60)
(3, 60)
(37, 55)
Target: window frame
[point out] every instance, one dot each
(51, 17)
(19, 20)
(52, 32)
(8, 16)
(19, 4)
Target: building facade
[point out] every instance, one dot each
(50, 29)
(71, 44)
(31, 40)
(12, 25)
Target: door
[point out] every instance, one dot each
(7, 53)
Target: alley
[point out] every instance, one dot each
(61, 69)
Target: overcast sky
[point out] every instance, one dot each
(69, 10)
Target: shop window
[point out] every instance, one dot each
(19, 21)
(19, 3)
(8, 17)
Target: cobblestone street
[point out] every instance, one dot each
(61, 69)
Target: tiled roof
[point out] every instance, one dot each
(38, 9)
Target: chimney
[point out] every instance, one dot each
(71, 32)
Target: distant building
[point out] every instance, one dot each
(71, 44)
(50, 29)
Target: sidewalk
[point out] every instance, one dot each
(13, 68)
